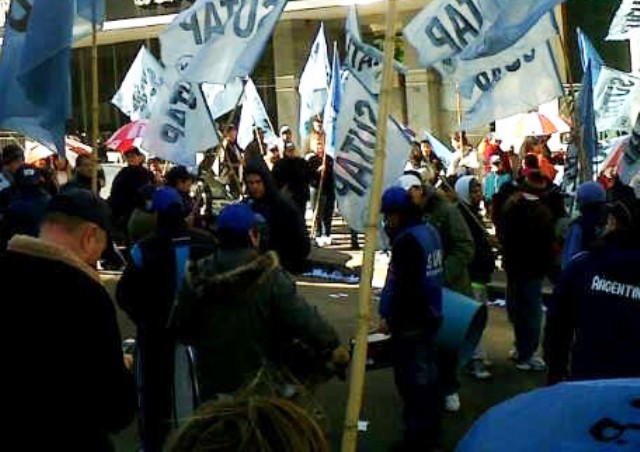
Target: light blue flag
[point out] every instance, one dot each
(35, 70)
(140, 87)
(507, 22)
(214, 41)
(469, 29)
(587, 416)
(441, 150)
(314, 83)
(254, 115)
(88, 11)
(363, 60)
(332, 108)
(588, 54)
(466, 73)
(513, 92)
(223, 98)
(588, 134)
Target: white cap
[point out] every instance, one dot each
(407, 181)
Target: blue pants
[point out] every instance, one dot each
(524, 308)
(415, 373)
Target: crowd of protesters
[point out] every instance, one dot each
(219, 285)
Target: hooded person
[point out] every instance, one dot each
(146, 292)
(591, 198)
(292, 173)
(287, 231)
(469, 192)
(240, 310)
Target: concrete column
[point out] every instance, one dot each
(286, 76)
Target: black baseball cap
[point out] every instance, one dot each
(83, 204)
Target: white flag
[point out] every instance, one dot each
(464, 72)
(532, 82)
(626, 21)
(180, 125)
(363, 60)
(254, 115)
(223, 98)
(140, 86)
(616, 100)
(314, 83)
(216, 40)
(472, 28)
(355, 152)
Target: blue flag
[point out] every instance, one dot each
(332, 108)
(441, 150)
(507, 22)
(35, 70)
(314, 83)
(588, 54)
(588, 134)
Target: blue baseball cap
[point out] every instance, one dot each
(395, 199)
(238, 218)
(165, 198)
(590, 193)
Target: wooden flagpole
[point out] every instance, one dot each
(358, 365)
(95, 101)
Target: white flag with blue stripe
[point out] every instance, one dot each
(356, 132)
(332, 108)
(314, 83)
(616, 100)
(180, 124)
(471, 29)
(216, 40)
(363, 60)
(254, 115)
(465, 72)
(140, 87)
(534, 82)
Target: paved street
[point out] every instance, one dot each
(338, 302)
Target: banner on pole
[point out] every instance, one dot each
(616, 100)
(140, 86)
(180, 124)
(221, 99)
(503, 94)
(356, 131)
(471, 29)
(216, 40)
(254, 115)
(626, 21)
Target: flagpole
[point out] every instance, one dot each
(358, 365)
(95, 101)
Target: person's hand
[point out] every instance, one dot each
(128, 362)
(383, 327)
(340, 359)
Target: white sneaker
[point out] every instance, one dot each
(320, 241)
(478, 370)
(513, 354)
(327, 240)
(452, 403)
(534, 364)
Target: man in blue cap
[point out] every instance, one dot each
(241, 311)
(146, 292)
(411, 310)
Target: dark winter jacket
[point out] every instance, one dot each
(584, 231)
(594, 315)
(64, 351)
(240, 311)
(292, 174)
(528, 236)
(484, 262)
(315, 162)
(412, 296)
(287, 234)
(124, 191)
